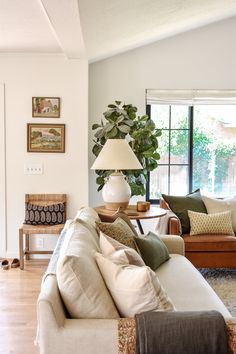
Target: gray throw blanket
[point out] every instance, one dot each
(187, 332)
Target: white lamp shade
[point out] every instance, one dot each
(116, 154)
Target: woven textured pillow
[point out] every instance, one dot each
(113, 217)
(218, 223)
(53, 214)
(120, 231)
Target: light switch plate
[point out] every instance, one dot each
(33, 169)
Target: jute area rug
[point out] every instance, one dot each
(223, 281)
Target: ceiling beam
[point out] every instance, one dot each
(64, 19)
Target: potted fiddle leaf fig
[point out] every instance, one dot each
(122, 122)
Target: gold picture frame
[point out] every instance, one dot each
(46, 107)
(45, 137)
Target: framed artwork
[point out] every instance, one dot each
(46, 107)
(45, 137)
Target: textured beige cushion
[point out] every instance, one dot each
(120, 231)
(81, 285)
(218, 223)
(118, 252)
(134, 289)
(219, 205)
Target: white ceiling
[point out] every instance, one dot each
(97, 29)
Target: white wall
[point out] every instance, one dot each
(200, 59)
(24, 77)
(2, 171)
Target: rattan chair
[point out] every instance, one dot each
(28, 230)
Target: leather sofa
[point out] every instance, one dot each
(59, 334)
(205, 250)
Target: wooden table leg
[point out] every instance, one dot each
(27, 256)
(21, 245)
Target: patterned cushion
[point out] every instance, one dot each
(53, 214)
(218, 223)
(120, 231)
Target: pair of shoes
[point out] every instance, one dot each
(14, 264)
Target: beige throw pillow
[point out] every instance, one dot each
(118, 252)
(80, 282)
(134, 289)
(219, 205)
(120, 231)
(218, 223)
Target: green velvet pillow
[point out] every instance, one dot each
(153, 251)
(181, 204)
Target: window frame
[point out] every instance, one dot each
(190, 153)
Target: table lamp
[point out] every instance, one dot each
(116, 155)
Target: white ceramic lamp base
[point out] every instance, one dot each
(116, 192)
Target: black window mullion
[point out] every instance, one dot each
(169, 149)
(190, 149)
(148, 113)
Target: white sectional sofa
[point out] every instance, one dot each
(59, 334)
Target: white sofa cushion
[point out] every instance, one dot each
(118, 252)
(81, 285)
(188, 290)
(134, 289)
(218, 205)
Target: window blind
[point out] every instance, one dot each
(191, 97)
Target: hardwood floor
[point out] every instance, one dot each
(19, 290)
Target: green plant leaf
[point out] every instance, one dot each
(150, 124)
(111, 106)
(100, 188)
(108, 127)
(129, 122)
(124, 128)
(100, 180)
(96, 150)
(112, 133)
(95, 126)
(118, 102)
(100, 133)
(156, 156)
(120, 119)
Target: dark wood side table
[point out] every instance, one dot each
(133, 214)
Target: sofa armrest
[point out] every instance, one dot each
(50, 303)
(174, 226)
(174, 243)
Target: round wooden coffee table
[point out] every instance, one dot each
(133, 214)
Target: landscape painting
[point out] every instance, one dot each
(46, 107)
(45, 137)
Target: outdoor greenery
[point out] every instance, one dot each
(210, 156)
(121, 121)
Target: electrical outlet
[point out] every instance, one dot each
(33, 169)
(40, 242)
